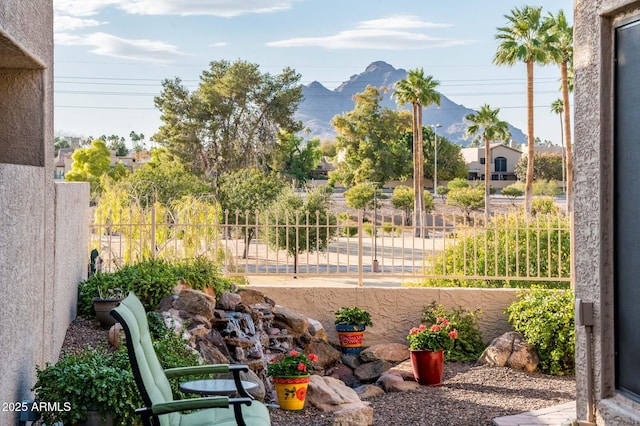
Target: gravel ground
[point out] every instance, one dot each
(471, 395)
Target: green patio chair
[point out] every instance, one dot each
(152, 381)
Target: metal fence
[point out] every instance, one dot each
(447, 247)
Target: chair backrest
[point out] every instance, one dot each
(147, 371)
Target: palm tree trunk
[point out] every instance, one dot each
(420, 193)
(528, 188)
(417, 154)
(567, 134)
(487, 172)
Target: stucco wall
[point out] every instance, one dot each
(394, 311)
(593, 225)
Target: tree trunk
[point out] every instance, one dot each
(528, 188)
(417, 153)
(487, 173)
(567, 134)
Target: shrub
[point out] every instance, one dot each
(543, 205)
(458, 183)
(512, 246)
(469, 345)
(546, 187)
(387, 227)
(350, 231)
(545, 318)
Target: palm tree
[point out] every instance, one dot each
(486, 124)
(557, 107)
(418, 90)
(526, 40)
(561, 50)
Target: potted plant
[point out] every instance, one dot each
(426, 347)
(291, 378)
(351, 323)
(91, 387)
(104, 303)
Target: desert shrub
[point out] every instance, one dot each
(546, 187)
(349, 231)
(387, 227)
(545, 318)
(469, 345)
(512, 246)
(457, 183)
(151, 280)
(543, 205)
(368, 228)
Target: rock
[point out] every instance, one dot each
(344, 373)
(116, 335)
(200, 320)
(370, 371)
(296, 323)
(510, 349)
(391, 352)
(328, 393)
(404, 369)
(270, 301)
(327, 354)
(258, 393)
(250, 296)
(352, 361)
(369, 391)
(195, 303)
(166, 303)
(210, 353)
(388, 380)
(217, 340)
(228, 301)
(316, 329)
(199, 330)
(353, 415)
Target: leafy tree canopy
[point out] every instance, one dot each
(546, 166)
(89, 164)
(361, 196)
(231, 120)
(295, 160)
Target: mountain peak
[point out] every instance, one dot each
(380, 66)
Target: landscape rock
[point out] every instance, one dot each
(330, 394)
(228, 301)
(368, 391)
(258, 393)
(404, 369)
(327, 354)
(390, 352)
(353, 415)
(296, 323)
(388, 380)
(352, 361)
(370, 371)
(210, 352)
(251, 296)
(512, 350)
(316, 329)
(195, 303)
(344, 373)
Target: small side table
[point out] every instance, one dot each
(208, 387)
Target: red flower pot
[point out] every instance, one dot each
(428, 367)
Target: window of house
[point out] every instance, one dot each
(500, 164)
(482, 160)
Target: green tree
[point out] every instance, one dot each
(561, 49)
(526, 39)
(369, 137)
(419, 91)
(231, 121)
(59, 143)
(89, 164)
(243, 194)
(138, 141)
(557, 107)
(294, 160)
(512, 192)
(547, 166)
(487, 124)
(115, 143)
(329, 148)
(466, 199)
(451, 163)
(361, 196)
(402, 199)
(302, 224)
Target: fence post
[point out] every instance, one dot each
(153, 232)
(360, 251)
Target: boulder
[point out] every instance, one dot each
(404, 369)
(369, 391)
(296, 323)
(195, 303)
(344, 373)
(228, 301)
(217, 340)
(332, 395)
(352, 361)
(353, 415)
(316, 329)
(327, 354)
(370, 371)
(390, 352)
(512, 350)
(258, 393)
(210, 352)
(250, 296)
(392, 382)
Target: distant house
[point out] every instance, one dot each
(62, 163)
(503, 162)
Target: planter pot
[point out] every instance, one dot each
(351, 337)
(291, 391)
(428, 367)
(102, 308)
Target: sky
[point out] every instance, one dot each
(112, 55)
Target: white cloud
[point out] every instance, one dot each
(387, 33)
(136, 50)
(70, 23)
(224, 8)
(400, 22)
(218, 44)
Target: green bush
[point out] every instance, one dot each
(546, 187)
(543, 205)
(151, 280)
(350, 231)
(546, 319)
(513, 246)
(387, 227)
(469, 345)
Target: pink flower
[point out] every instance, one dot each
(413, 331)
(294, 353)
(313, 357)
(453, 334)
(436, 327)
(302, 367)
(422, 327)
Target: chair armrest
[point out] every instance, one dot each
(194, 404)
(197, 370)
(236, 370)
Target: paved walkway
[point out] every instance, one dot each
(557, 415)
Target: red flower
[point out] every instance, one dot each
(422, 327)
(413, 331)
(293, 352)
(302, 367)
(313, 357)
(436, 327)
(453, 334)
(300, 393)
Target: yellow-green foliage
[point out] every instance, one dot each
(513, 246)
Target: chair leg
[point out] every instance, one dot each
(237, 410)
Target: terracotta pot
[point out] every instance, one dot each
(428, 367)
(351, 338)
(291, 391)
(102, 308)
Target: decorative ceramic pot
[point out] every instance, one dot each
(428, 367)
(291, 391)
(351, 337)
(103, 307)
